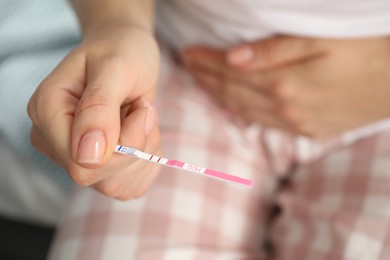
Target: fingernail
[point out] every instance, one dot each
(92, 147)
(150, 116)
(240, 55)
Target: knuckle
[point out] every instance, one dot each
(35, 142)
(123, 198)
(283, 90)
(110, 190)
(97, 98)
(38, 104)
(34, 105)
(80, 177)
(132, 194)
(81, 180)
(135, 191)
(31, 110)
(126, 197)
(140, 192)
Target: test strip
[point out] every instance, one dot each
(183, 166)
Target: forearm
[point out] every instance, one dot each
(96, 14)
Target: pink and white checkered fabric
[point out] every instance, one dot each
(336, 206)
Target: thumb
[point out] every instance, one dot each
(97, 119)
(273, 53)
(96, 128)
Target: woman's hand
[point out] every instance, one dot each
(305, 86)
(98, 96)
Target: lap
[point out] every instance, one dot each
(337, 207)
(183, 216)
(326, 210)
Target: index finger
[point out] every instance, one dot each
(275, 53)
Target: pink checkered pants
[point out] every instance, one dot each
(333, 197)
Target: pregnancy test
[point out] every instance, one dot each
(183, 166)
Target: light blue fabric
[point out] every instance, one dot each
(34, 36)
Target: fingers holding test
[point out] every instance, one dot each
(96, 126)
(140, 131)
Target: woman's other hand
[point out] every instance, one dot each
(314, 87)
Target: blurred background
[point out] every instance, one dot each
(35, 35)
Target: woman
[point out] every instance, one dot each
(103, 91)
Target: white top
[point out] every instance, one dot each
(222, 23)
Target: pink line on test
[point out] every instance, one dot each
(183, 165)
(229, 177)
(175, 163)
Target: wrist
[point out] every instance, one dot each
(115, 28)
(95, 15)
